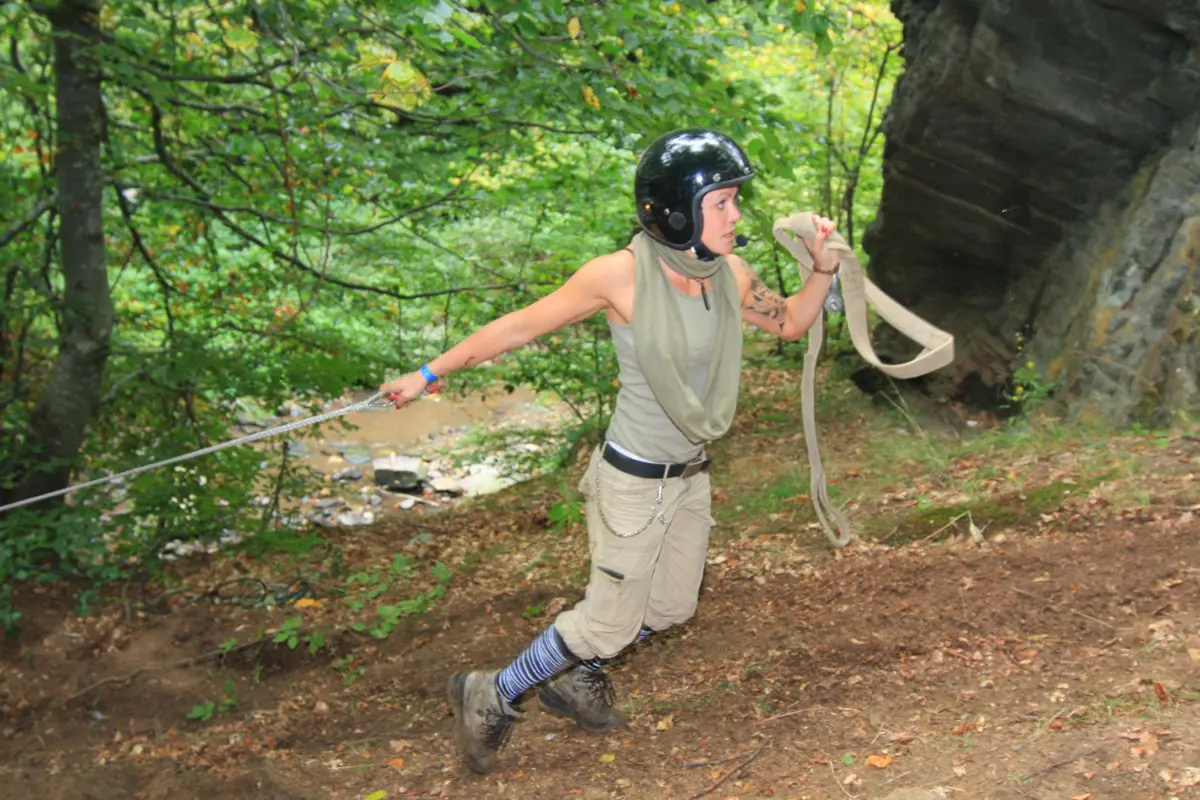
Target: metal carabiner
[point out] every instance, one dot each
(834, 302)
(382, 401)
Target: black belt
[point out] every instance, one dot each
(651, 469)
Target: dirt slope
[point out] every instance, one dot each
(1060, 658)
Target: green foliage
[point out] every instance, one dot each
(376, 582)
(566, 513)
(9, 616)
(1030, 389)
(310, 197)
(205, 711)
(389, 615)
(289, 632)
(350, 673)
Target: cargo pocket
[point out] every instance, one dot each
(622, 568)
(622, 575)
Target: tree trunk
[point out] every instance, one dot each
(60, 419)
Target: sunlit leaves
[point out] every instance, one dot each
(241, 39)
(589, 97)
(458, 160)
(403, 86)
(437, 14)
(826, 104)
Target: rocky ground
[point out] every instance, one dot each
(1059, 657)
(372, 464)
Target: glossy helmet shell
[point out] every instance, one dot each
(674, 174)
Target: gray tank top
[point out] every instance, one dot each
(639, 425)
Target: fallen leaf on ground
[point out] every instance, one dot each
(880, 761)
(1163, 631)
(666, 723)
(1147, 743)
(396, 763)
(607, 758)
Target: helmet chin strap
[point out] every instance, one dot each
(704, 254)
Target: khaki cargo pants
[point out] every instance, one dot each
(650, 574)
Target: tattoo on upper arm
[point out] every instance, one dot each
(763, 300)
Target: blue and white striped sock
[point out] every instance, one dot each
(597, 664)
(544, 658)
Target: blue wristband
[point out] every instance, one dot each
(427, 374)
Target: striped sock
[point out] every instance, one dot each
(544, 658)
(597, 664)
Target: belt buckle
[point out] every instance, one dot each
(692, 469)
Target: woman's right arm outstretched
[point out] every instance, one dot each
(584, 293)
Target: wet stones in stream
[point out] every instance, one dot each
(400, 472)
(400, 483)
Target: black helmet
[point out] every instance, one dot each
(675, 172)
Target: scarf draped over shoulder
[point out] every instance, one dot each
(661, 341)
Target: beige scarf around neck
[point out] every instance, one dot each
(661, 342)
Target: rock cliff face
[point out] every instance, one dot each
(1042, 178)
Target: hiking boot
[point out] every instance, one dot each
(584, 696)
(483, 719)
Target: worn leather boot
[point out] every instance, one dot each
(483, 719)
(584, 696)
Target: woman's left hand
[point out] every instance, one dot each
(825, 260)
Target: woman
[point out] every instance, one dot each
(675, 300)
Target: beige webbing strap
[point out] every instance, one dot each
(857, 291)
